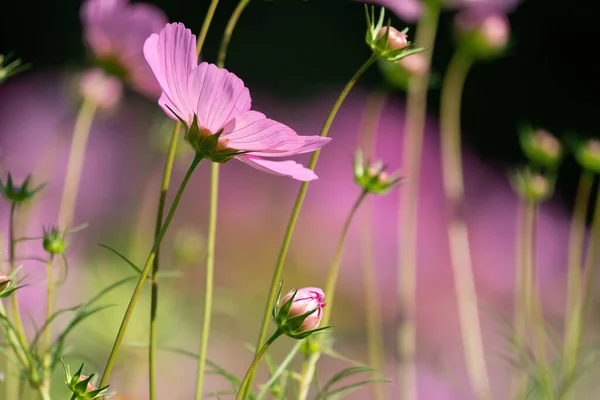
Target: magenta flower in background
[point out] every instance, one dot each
(218, 102)
(115, 31)
(306, 300)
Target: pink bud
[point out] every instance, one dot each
(493, 26)
(4, 282)
(104, 90)
(90, 385)
(307, 299)
(396, 39)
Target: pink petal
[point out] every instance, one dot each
(265, 137)
(286, 168)
(171, 55)
(217, 95)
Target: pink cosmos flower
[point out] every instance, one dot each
(211, 100)
(307, 299)
(115, 32)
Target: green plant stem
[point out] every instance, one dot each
(147, 266)
(241, 395)
(47, 377)
(16, 313)
(298, 204)
(81, 133)
(530, 295)
(416, 113)
(334, 271)
(162, 198)
(574, 284)
(373, 109)
(210, 13)
(458, 235)
(208, 288)
(233, 20)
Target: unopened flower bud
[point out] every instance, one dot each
(90, 385)
(4, 283)
(372, 176)
(588, 155)
(533, 186)
(102, 89)
(300, 312)
(391, 38)
(54, 241)
(18, 194)
(541, 147)
(484, 32)
(81, 385)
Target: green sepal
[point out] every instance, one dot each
(284, 310)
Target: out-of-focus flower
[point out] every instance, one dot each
(399, 73)
(532, 185)
(300, 312)
(18, 194)
(9, 68)
(587, 155)
(81, 385)
(387, 42)
(54, 241)
(410, 10)
(115, 31)
(541, 147)
(372, 176)
(482, 31)
(102, 89)
(214, 105)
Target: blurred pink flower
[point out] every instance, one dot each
(410, 10)
(115, 32)
(102, 89)
(218, 102)
(306, 300)
(491, 25)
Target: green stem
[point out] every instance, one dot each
(298, 205)
(16, 313)
(81, 133)
(309, 371)
(416, 113)
(574, 284)
(458, 235)
(166, 180)
(208, 289)
(530, 295)
(373, 110)
(47, 381)
(233, 20)
(148, 265)
(241, 395)
(205, 25)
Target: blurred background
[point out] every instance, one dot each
(295, 56)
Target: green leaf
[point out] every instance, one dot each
(325, 392)
(342, 392)
(127, 260)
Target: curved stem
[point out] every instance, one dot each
(298, 205)
(334, 270)
(147, 266)
(416, 113)
(574, 284)
(81, 133)
(233, 20)
(155, 268)
(241, 395)
(458, 235)
(205, 25)
(210, 266)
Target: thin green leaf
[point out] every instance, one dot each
(344, 391)
(280, 370)
(127, 260)
(322, 395)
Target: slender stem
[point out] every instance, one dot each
(205, 25)
(298, 204)
(166, 180)
(373, 109)
(233, 20)
(81, 133)
(47, 381)
(309, 371)
(530, 296)
(210, 265)
(416, 113)
(574, 284)
(16, 313)
(241, 395)
(147, 266)
(458, 235)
